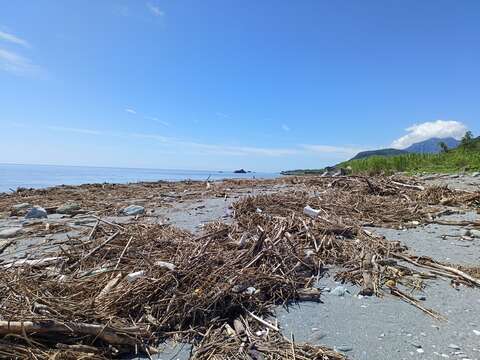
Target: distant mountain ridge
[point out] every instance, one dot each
(430, 146)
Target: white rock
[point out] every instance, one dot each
(250, 291)
(36, 212)
(339, 291)
(11, 232)
(309, 211)
(133, 210)
(476, 174)
(165, 265)
(476, 332)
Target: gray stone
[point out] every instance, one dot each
(68, 208)
(343, 348)
(36, 212)
(454, 347)
(11, 232)
(133, 210)
(476, 174)
(20, 207)
(472, 233)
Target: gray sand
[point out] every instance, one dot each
(365, 328)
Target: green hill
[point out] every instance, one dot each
(465, 157)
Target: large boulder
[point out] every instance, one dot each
(68, 208)
(36, 212)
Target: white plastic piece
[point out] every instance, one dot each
(309, 211)
(135, 276)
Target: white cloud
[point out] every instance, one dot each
(130, 111)
(14, 39)
(75, 130)
(164, 123)
(16, 64)
(285, 128)
(155, 10)
(428, 130)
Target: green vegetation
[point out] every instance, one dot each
(301, 172)
(465, 157)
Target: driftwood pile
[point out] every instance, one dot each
(124, 289)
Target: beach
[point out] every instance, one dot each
(430, 223)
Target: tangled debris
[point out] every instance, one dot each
(126, 288)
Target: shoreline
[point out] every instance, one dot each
(193, 206)
(45, 176)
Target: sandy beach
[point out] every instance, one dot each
(358, 326)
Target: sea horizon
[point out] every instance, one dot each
(38, 176)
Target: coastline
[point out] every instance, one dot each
(193, 205)
(13, 176)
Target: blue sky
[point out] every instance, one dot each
(223, 84)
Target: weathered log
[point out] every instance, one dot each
(47, 327)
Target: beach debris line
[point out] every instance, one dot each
(126, 288)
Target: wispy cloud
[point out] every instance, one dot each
(16, 64)
(75, 130)
(162, 122)
(155, 10)
(130, 111)
(14, 39)
(285, 128)
(200, 148)
(428, 130)
(222, 115)
(160, 138)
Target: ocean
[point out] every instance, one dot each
(13, 176)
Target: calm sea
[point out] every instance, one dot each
(42, 176)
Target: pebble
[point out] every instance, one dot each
(343, 348)
(10, 232)
(36, 212)
(472, 233)
(68, 208)
(339, 291)
(420, 351)
(133, 210)
(318, 336)
(250, 291)
(454, 347)
(476, 332)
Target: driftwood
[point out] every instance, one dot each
(195, 288)
(103, 332)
